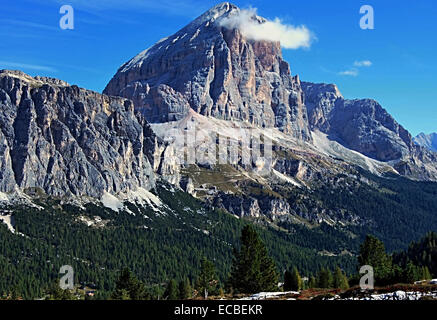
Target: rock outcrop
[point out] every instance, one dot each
(66, 140)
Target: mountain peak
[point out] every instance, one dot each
(428, 141)
(217, 11)
(212, 68)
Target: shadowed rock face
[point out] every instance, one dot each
(67, 140)
(365, 126)
(216, 72)
(361, 125)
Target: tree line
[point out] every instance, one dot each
(253, 270)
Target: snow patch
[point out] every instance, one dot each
(4, 197)
(195, 35)
(17, 197)
(144, 196)
(111, 202)
(140, 196)
(9, 221)
(269, 295)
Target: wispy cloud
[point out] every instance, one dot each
(28, 24)
(354, 71)
(19, 65)
(350, 72)
(363, 63)
(290, 37)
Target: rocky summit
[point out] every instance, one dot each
(217, 73)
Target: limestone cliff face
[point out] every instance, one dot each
(216, 72)
(70, 141)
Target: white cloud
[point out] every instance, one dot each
(354, 72)
(364, 63)
(349, 72)
(290, 37)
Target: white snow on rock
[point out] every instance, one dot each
(269, 295)
(111, 202)
(8, 219)
(3, 197)
(17, 197)
(140, 196)
(397, 295)
(207, 129)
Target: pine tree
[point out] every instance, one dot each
(412, 273)
(185, 291)
(287, 280)
(128, 286)
(292, 280)
(312, 283)
(372, 253)
(340, 280)
(324, 279)
(252, 270)
(171, 293)
(426, 275)
(207, 282)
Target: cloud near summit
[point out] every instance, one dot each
(290, 37)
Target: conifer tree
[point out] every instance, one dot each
(185, 291)
(287, 280)
(372, 253)
(207, 282)
(253, 270)
(292, 280)
(340, 280)
(324, 279)
(426, 275)
(312, 283)
(171, 293)
(412, 273)
(128, 287)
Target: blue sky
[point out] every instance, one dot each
(402, 48)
